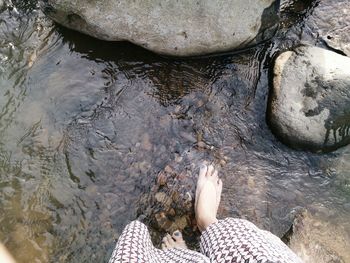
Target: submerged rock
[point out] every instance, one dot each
(180, 28)
(317, 240)
(310, 104)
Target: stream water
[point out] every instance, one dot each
(87, 127)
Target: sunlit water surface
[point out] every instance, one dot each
(86, 127)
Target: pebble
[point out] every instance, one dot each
(169, 169)
(163, 221)
(32, 57)
(181, 222)
(178, 158)
(251, 182)
(171, 212)
(146, 142)
(161, 179)
(201, 144)
(189, 137)
(163, 198)
(188, 197)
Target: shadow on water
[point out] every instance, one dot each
(95, 134)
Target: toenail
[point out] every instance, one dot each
(177, 233)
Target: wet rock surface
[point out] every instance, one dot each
(310, 104)
(330, 22)
(323, 23)
(180, 28)
(316, 240)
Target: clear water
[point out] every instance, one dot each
(87, 127)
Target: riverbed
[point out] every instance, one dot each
(88, 128)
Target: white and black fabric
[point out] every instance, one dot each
(135, 246)
(227, 241)
(238, 240)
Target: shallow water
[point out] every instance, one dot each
(87, 127)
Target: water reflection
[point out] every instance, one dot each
(87, 127)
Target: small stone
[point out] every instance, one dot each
(32, 57)
(201, 144)
(251, 182)
(175, 196)
(182, 176)
(200, 103)
(169, 169)
(144, 167)
(171, 212)
(146, 142)
(163, 198)
(181, 222)
(163, 221)
(161, 179)
(92, 190)
(189, 137)
(188, 197)
(223, 162)
(178, 158)
(165, 121)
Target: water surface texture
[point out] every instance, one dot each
(87, 128)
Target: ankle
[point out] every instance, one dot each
(204, 223)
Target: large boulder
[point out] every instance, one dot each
(310, 103)
(180, 28)
(330, 22)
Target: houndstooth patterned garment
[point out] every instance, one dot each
(135, 246)
(227, 241)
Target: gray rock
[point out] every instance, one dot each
(310, 104)
(313, 237)
(181, 28)
(330, 21)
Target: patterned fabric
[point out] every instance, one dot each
(238, 240)
(227, 241)
(135, 246)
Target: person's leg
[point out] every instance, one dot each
(135, 246)
(232, 240)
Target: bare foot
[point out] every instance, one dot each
(208, 195)
(5, 256)
(174, 241)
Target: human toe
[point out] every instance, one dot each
(210, 170)
(177, 236)
(219, 187)
(203, 170)
(168, 241)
